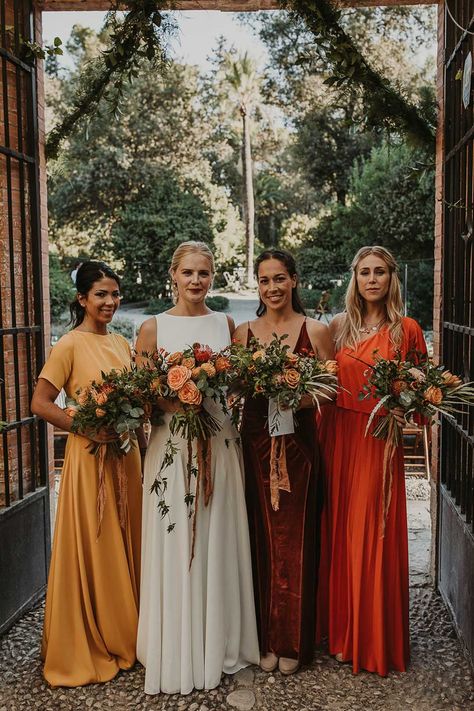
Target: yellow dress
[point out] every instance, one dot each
(90, 626)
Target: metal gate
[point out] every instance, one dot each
(24, 501)
(456, 535)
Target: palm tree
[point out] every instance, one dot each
(243, 80)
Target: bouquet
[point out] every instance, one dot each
(115, 402)
(284, 378)
(189, 376)
(419, 387)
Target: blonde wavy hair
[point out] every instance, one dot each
(349, 335)
(183, 250)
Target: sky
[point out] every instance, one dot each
(198, 32)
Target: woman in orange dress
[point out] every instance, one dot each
(90, 625)
(367, 557)
(285, 543)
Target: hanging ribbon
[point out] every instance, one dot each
(204, 480)
(390, 448)
(279, 478)
(118, 468)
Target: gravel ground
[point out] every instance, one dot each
(439, 677)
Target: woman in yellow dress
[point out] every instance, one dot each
(90, 625)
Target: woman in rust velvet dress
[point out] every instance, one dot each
(366, 553)
(285, 543)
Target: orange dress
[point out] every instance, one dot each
(363, 594)
(91, 617)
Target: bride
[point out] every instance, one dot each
(198, 622)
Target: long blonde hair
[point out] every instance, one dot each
(181, 251)
(349, 335)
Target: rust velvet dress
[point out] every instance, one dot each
(363, 596)
(91, 616)
(285, 543)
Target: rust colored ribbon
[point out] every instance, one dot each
(204, 479)
(279, 478)
(118, 468)
(390, 448)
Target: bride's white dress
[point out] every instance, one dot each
(195, 624)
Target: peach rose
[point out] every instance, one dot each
(433, 395)
(101, 397)
(331, 367)
(452, 381)
(99, 412)
(222, 363)
(190, 394)
(82, 397)
(189, 362)
(292, 377)
(209, 369)
(178, 375)
(258, 355)
(174, 358)
(195, 373)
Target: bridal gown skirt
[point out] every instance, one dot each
(196, 623)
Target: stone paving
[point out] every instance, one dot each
(439, 677)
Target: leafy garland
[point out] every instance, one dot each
(384, 104)
(142, 32)
(140, 35)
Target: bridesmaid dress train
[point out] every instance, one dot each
(285, 543)
(91, 615)
(195, 623)
(367, 585)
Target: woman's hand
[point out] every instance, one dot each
(102, 436)
(170, 406)
(398, 414)
(306, 402)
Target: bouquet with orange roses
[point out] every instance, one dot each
(115, 402)
(189, 376)
(417, 386)
(283, 377)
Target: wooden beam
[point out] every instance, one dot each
(222, 5)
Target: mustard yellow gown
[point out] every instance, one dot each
(90, 626)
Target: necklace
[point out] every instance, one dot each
(368, 328)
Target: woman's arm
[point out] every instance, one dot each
(43, 405)
(146, 341)
(240, 334)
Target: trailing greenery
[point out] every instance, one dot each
(140, 35)
(385, 105)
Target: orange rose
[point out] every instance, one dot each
(433, 395)
(222, 364)
(292, 358)
(189, 362)
(174, 358)
(82, 397)
(99, 412)
(258, 355)
(209, 369)
(452, 381)
(101, 397)
(190, 394)
(178, 375)
(331, 367)
(292, 377)
(195, 373)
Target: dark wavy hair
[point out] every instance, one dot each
(86, 276)
(289, 263)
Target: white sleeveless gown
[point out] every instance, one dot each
(195, 624)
